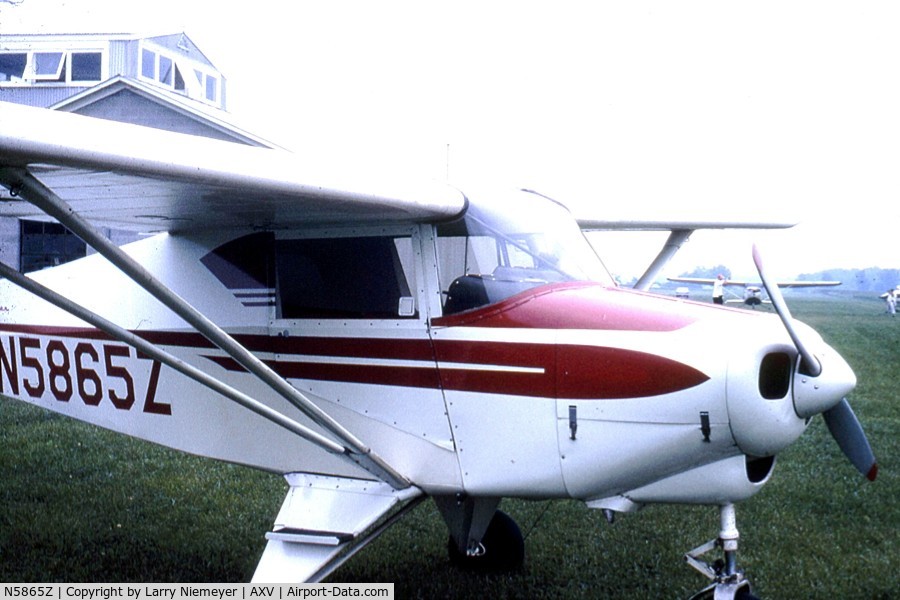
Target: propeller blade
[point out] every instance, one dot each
(809, 365)
(846, 430)
(841, 421)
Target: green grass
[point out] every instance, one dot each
(81, 504)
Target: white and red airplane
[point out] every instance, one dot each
(753, 291)
(382, 345)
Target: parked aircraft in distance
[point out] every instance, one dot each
(753, 291)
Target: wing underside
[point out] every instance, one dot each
(131, 177)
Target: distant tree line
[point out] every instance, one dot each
(865, 280)
(709, 272)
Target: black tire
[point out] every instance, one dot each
(504, 548)
(745, 594)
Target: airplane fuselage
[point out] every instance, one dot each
(550, 388)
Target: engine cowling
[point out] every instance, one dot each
(730, 480)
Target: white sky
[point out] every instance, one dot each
(765, 110)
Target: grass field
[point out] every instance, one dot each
(80, 504)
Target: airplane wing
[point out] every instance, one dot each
(131, 177)
(706, 281)
(594, 223)
(781, 284)
(680, 229)
(801, 284)
(323, 522)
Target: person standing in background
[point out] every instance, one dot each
(719, 289)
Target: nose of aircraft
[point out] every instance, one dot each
(821, 381)
(814, 395)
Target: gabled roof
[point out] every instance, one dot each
(178, 41)
(192, 109)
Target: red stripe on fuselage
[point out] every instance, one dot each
(615, 373)
(569, 371)
(513, 368)
(517, 369)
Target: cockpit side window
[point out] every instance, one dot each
(510, 245)
(347, 278)
(483, 269)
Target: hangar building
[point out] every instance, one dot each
(161, 81)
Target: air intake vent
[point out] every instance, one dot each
(759, 468)
(775, 372)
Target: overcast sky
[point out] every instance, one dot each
(767, 110)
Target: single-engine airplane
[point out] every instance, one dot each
(753, 291)
(382, 345)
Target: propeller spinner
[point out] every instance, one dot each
(820, 383)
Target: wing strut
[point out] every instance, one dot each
(22, 183)
(673, 243)
(153, 351)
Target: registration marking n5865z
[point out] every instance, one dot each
(92, 371)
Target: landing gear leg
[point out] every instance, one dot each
(729, 582)
(482, 538)
(501, 548)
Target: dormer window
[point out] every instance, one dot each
(212, 85)
(179, 74)
(148, 64)
(166, 71)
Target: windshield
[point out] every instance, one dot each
(510, 244)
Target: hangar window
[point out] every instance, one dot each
(12, 66)
(148, 64)
(47, 245)
(87, 66)
(345, 278)
(166, 71)
(49, 67)
(211, 86)
(161, 69)
(46, 66)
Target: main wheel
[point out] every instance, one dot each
(745, 594)
(502, 548)
(741, 593)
